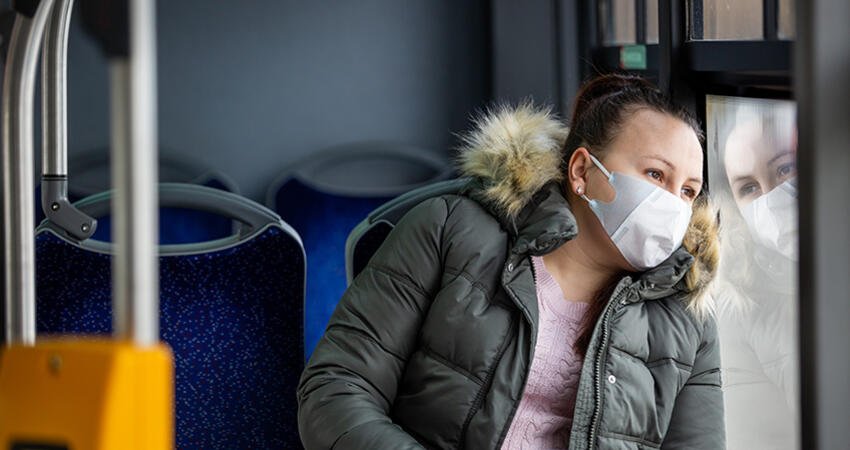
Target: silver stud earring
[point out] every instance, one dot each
(578, 190)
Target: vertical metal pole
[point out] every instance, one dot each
(134, 172)
(54, 62)
(18, 208)
(54, 143)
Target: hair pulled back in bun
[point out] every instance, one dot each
(605, 102)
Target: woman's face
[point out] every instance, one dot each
(651, 146)
(655, 147)
(757, 160)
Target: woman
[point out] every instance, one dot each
(488, 320)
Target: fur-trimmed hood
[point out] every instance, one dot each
(514, 157)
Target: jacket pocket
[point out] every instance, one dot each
(640, 395)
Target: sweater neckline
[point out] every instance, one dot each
(553, 294)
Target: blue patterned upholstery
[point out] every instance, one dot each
(178, 226)
(232, 316)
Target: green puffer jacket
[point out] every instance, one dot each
(431, 345)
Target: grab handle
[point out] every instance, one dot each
(54, 127)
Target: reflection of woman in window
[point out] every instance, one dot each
(761, 166)
(757, 288)
(556, 302)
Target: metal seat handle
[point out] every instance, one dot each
(54, 130)
(197, 198)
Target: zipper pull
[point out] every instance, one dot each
(629, 292)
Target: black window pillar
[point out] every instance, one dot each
(821, 74)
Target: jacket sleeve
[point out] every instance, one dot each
(697, 421)
(349, 385)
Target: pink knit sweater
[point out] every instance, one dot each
(545, 413)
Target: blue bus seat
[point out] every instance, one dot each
(231, 310)
(326, 195)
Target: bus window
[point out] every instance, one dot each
(618, 22)
(651, 21)
(752, 149)
(727, 19)
(786, 19)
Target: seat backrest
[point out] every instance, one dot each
(326, 195)
(231, 310)
(370, 233)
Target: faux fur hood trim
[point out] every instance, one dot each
(703, 242)
(514, 152)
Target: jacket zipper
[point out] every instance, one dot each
(600, 356)
(514, 407)
(488, 380)
(533, 271)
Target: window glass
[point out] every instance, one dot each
(617, 19)
(786, 19)
(752, 162)
(727, 19)
(651, 21)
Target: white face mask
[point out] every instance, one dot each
(772, 219)
(645, 222)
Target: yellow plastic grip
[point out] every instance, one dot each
(86, 394)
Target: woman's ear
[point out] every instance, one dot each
(577, 170)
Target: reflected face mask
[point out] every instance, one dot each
(772, 219)
(646, 222)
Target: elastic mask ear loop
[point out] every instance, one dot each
(603, 169)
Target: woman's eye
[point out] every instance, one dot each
(749, 189)
(786, 170)
(654, 174)
(690, 193)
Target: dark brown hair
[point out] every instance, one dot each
(601, 107)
